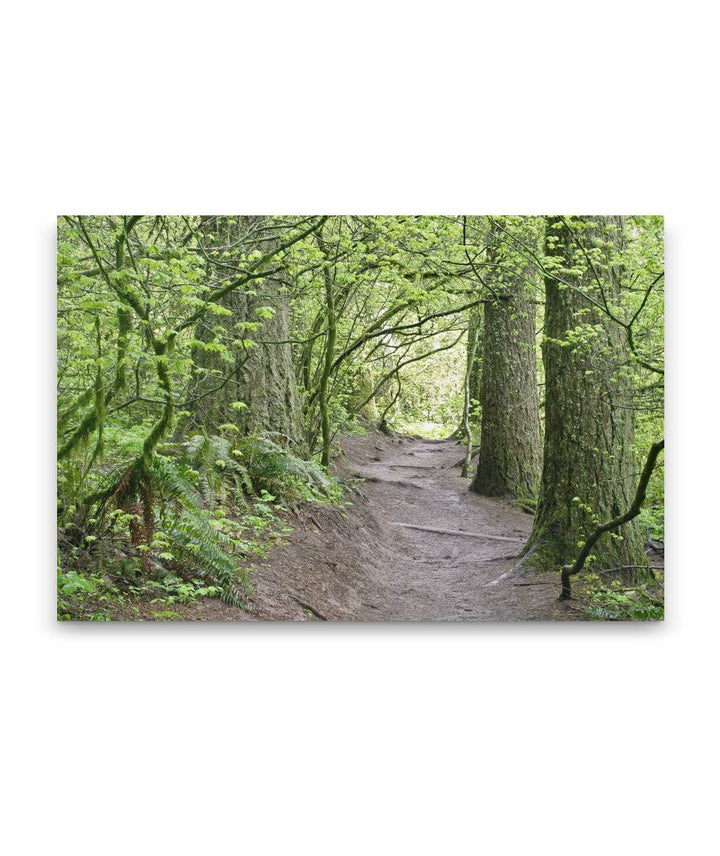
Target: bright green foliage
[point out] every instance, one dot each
(615, 602)
(156, 315)
(95, 598)
(274, 470)
(214, 509)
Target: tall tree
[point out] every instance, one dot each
(243, 360)
(509, 459)
(589, 469)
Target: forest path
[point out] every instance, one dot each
(440, 575)
(370, 565)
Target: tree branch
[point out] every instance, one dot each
(616, 522)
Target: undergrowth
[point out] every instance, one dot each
(208, 508)
(618, 601)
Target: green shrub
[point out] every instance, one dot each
(617, 602)
(207, 506)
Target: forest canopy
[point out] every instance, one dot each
(208, 367)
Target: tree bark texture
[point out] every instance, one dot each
(261, 374)
(509, 460)
(589, 468)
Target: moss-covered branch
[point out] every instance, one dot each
(611, 525)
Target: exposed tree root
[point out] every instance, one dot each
(457, 532)
(309, 608)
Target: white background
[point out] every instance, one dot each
(371, 739)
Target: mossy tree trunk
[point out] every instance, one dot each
(589, 470)
(329, 355)
(362, 401)
(509, 459)
(473, 378)
(257, 370)
(472, 384)
(474, 364)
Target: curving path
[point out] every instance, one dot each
(413, 486)
(377, 561)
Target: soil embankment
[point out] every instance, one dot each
(415, 544)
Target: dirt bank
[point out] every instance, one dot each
(378, 561)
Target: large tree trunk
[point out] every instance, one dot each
(589, 470)
(510, 443)
(260, 373)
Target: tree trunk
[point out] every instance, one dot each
(474, 366)
(589, 469)
(329, 355)
(510, 445)
(471, 384)
(362, 400)
(260, 373)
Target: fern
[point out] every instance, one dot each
(255, 463)
(275, 469)
(176, 506)
(198, 544)
(193, 539)
(218, 471)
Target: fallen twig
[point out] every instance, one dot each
(410, 467)
(627, 568)
(458, 532)
(544, 583)
(309, 608)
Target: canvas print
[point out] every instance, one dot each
(360, 418)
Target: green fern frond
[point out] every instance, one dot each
(276, 469)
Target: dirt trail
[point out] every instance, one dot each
(439, 576)
(369, 565)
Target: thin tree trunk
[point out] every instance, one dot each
(328, 356)
(473, 334)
